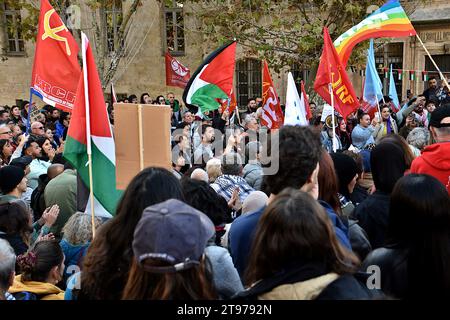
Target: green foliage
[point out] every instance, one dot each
(284, 32)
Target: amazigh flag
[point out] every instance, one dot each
(332, 77)
(90, 131)
(388, 21)
(272, 115)
(213, 80)
(55, 70)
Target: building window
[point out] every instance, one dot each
(113, 21)
(299, 74)
(443, 61)
(13, 30)
(174, 27)
(390, 54)
(249, 82)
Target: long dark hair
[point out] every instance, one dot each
(37, 263)
(419, 221)
(203, 197)
(109, 257)
(192, 284)
(387, 161)
(294, 227)
(401, 142)
(15, 220)
(3, 142)
(328, 184)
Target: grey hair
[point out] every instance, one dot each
(419, 138)
(213, 168)
(7, 263)
(78, 229)
(247, 119)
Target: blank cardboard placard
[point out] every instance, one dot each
(156, 139)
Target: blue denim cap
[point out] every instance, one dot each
(174, 233)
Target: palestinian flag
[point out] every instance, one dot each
(213, 80)
(90, 131)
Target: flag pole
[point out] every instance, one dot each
(141, 138)
(432, 60)
(330, 88)
(88, 131)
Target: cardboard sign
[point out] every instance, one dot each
(155, 139)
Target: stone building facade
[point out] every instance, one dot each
(142, 68)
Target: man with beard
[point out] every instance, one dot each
(37, 166)
(204, 151)
(432, 90)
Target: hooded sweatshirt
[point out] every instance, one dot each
(435, 161)
(45, 291)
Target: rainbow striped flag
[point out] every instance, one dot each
(388, 21)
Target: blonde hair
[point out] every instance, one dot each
(78, 229)
(214, 169)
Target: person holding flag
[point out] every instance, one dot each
(333, 84)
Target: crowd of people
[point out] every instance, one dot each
(223, 223)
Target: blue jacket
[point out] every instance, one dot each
(362, 137)
(241, 236)
(242, 232)
(74, 256)
(340, 228)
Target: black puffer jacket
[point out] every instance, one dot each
(392, 262)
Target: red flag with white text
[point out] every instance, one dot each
(272, 115)
(55, 70)
(177, 75)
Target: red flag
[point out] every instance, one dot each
(332, 72)
(306, 102)
(177, 75)
(231, 107)
(272, 115)
(55, 70)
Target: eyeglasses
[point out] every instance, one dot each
(40, 128)
(6, 132)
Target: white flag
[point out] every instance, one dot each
(295, 110)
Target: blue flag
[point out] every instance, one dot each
(393, 91)
(373, 91)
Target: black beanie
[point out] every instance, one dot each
(346, 170)
(10, 177)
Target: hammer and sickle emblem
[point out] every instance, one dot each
(52, 32)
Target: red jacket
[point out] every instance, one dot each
(435, 161)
